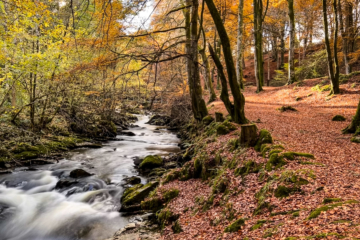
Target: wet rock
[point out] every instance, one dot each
(130, 226)
(132, 180)
(79, 173)
(136, 196)
(137, 160)
(151, 162)
(159, 120)
(64, 183)
(130, 134)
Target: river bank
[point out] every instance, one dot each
(84, 207)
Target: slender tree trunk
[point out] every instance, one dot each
(207, 77)
(291, 72)
(334, 81)
(258, 9)
(282, 47)
(335, 84)
(238, 115)
(344, 33)
(239, 58)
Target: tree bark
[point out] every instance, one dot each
(258, 20)
(240, 48)
(334, 80)
(355, 123)
(291, 72)
(248, 135)
(238, 114)
(197, 102)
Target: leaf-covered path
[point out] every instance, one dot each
(310, 129)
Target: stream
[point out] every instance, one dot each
(32, 209)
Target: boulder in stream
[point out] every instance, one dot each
(79, 173)
(130, 134)
(63, 183)
(132, 180)
(150, 162)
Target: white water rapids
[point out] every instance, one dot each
(31, 208)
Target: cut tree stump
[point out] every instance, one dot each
(219, 117)
(248, 135)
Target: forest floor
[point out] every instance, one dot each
(334, 175)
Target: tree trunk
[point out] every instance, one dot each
(258, 9)
(239, 57)
(291, 75)
(334, 81)
(197, 102)
(238, 114)
(355, 123)
(282, 47)
(345, 33)
(248, 135)
(207, 77)
(219, 117)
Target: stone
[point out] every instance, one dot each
(132, 180)
(79, 173)
(130, 226)
(63, 183)
(151, 162)
(130, 134)
(138, 195)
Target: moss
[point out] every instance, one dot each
(209, 202)
(264, 149)
(170, 194)
(165, 217)
(233, 144)
(207, 120)
(319, 88)
(338, 118)
(249, 167)
(229, 125)
(138, 195)
(157, 172)
(130, 190)
(326, 235)
(172, 176)
(331, 200)
(220, 184)
(315, 213)
(258, 224)
(176, 227)
(154, 204)
(235, 226)
(291, 238)
(276, 161)
(222, 129)
(292, 155)
(151, 162)
(27, 155)
(286, 109)
(264, 137)
(355, 139)
(283, 191)
(186, 172)
(296, 214)
(274, 151)
(261, 207)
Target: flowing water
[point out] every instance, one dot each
(31, 208)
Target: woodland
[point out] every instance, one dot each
(264, 96)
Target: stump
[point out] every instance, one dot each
(219, 117)
(248, 135)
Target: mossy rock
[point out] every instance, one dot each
(222, 129)
(138, 195)
(338, 118)
(331, 200)
(154, 204)
(283, 191)
(207, 120)
(157, 172)
(235, 226)
(292, 155)
(170, 194)
(151, 162)
(249, 167)
(131, 189)
(186, 172)
(276, 161)
(26, 155)
(287, 109)
(264, 138)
